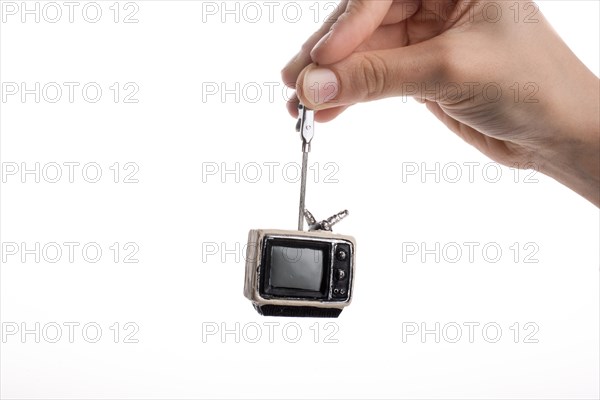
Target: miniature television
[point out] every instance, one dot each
(299, 274)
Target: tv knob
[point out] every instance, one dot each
(340, 274)
(341, 255)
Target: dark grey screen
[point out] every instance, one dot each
(296, 268)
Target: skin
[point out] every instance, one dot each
(462, 59)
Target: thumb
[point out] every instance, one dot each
(372, 75)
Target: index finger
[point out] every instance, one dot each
(292, 70)
(358, 22)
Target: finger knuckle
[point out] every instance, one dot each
(373, 74)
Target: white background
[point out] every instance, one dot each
(181, 221)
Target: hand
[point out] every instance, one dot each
(512, 89)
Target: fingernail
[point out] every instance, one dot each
(320, 85)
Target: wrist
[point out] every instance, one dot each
(572, 155)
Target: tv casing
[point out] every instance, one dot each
(255, 257)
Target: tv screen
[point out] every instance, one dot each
(296, 268)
